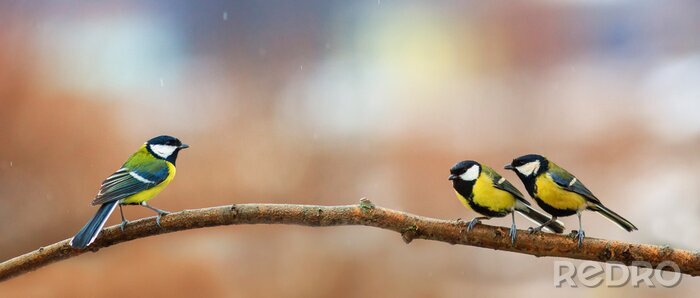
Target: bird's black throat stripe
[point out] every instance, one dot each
(531, 187)
(554, 211)
(529, 182)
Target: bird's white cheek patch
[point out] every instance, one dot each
(529, 168)
(471, 174)
(163, 151)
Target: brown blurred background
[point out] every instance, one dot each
(325, 102)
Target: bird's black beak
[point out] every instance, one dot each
(452, 177)
(508, 167)
(184, 146)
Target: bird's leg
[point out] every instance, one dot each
(160, 212)
(539, 229)
(475, 221)
(580, 234)
(513, 230)
(124, 221)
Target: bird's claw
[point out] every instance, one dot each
(160, 214)
(513, 234)
(123, 224)
(472, 223)
(580, 235)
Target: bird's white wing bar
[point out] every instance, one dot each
(140, 178)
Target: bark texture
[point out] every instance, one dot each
(409, 226)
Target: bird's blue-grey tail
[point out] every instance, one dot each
(89, 232)
(614, 217)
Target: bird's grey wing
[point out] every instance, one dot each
(501, 183)
(126, 182)
(568, 182)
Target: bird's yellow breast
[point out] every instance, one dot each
(490, 197)
(153, 191)
(552, 194)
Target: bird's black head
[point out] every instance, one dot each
(528, 165)
(467, 170)
(165, 147)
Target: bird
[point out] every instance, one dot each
(485, 191)
(145, 174)
(560, 193)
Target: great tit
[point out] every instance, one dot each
(145, 174)
(559, 193)
(483, 190)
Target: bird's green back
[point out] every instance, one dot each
(501, 183)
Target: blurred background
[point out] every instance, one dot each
(326, 102)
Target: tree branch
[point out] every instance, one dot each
(366, 214)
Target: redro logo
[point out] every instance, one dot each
(589, 274)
